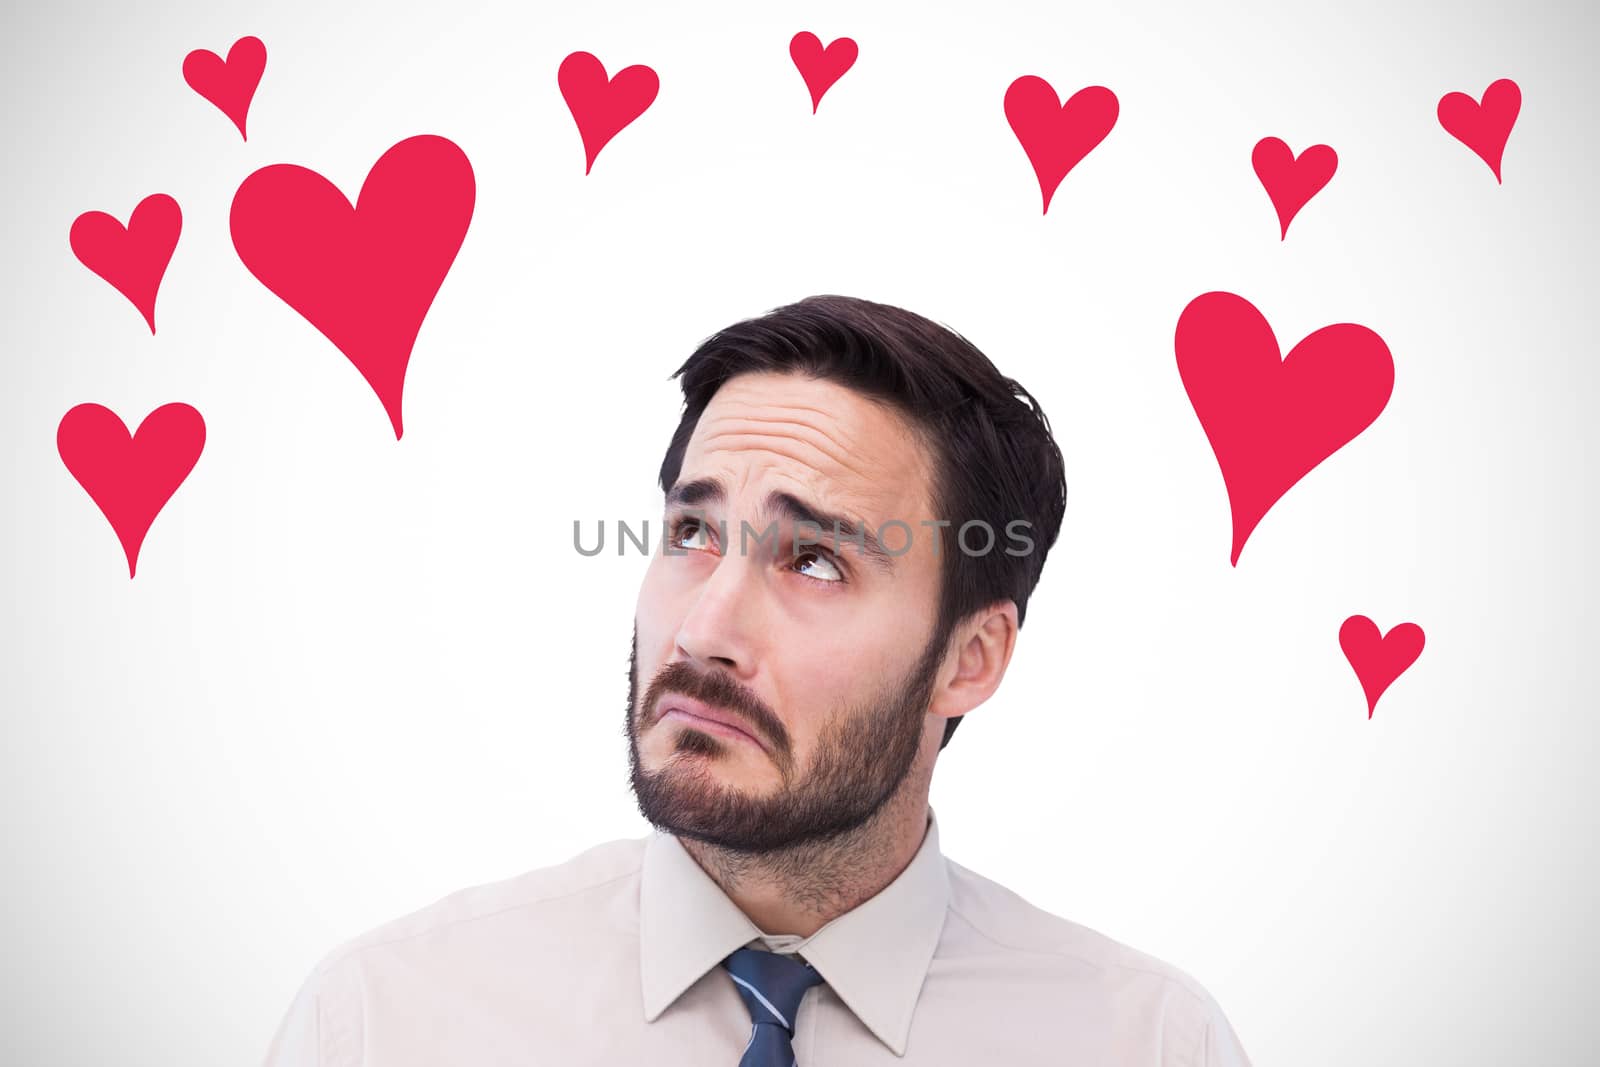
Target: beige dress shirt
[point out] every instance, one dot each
(613, 957)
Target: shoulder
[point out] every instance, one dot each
(455, 936)
(998, 928)
(545, 890)
(1005, 920)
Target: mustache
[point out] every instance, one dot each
(719, 691)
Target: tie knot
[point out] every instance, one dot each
(771, 984)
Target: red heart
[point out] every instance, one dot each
(602, 108)
(1483, 127)
(1377, 660)
(132, 259)
(132, 477)
(1270, 420)
(229, 84)
(821, 67)
(1291, 180)
(1057, 136)
(364, 276)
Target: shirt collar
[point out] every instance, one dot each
(874, 957)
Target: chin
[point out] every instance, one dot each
(703, 770)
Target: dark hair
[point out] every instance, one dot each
(994, 458)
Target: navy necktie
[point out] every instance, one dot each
(771, 985)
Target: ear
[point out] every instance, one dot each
(984, 649)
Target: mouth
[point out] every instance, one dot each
(688, 712)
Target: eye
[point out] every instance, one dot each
(826, 560)
(682, 527)
(832, 570)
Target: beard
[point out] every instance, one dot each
(861, 759)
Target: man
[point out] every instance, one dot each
(820, 615)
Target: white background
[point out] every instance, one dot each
(354, 674)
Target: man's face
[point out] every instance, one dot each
(824, 658)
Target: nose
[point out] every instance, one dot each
(719, 630)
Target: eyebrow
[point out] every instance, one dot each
(709, 490)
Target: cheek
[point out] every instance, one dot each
(655, 614)
(829, 675)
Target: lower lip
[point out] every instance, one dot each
(710, 726)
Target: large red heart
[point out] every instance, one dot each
(1057, 136)
(821, 67)
(1379, 660)
(1291, 180)
(229, 84)
(132, 258)
(1484, 127)
(365, 276)
(131, 477)
(601, 108)
(1270, 420)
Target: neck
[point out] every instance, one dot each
(797, 890)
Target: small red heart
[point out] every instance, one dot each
(600, 107)
(1271, 419)
(229, 83)
(1057, 136)
(1378, 661)
(1484, 127)
(1291, 180)
(132, 477)
(132, 258)
(821, 67)
(365, 276)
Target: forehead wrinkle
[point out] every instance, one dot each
(903, 479)
(819, 493)
(843, 503)
(713, 436)
(898, 430)
(824, 412)
(899, 427)
(818, 430)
